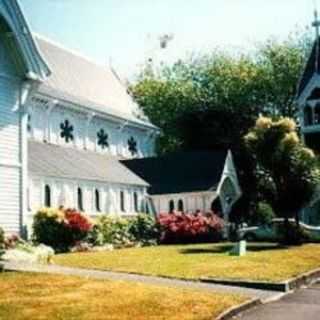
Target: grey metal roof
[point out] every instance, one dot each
(50, 160)
(78, 80)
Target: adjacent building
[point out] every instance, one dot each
(190, 181)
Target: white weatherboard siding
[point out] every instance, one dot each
(10, 203)
(192, 201)
(10, 164)
(64, 193)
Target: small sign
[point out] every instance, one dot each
(240, 249)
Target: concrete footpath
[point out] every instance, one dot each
(263, 295)
(304, 304)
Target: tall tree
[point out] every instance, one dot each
(286, 166)
(209, 101)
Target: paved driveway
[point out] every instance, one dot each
(302, 305)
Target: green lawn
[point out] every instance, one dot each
(269, 263)
(52, 297)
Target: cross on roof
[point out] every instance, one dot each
(316, 23)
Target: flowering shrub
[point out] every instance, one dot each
(145, 229)
(60, 229)
(1, 241)
(112, 229)
(183, 228)
(11, 241)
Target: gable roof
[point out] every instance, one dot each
(78, 80)
(310, 67)
(180, 172)
(49, 160)
(36, 67)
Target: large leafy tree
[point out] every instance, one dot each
(284, 164)
(210, 101)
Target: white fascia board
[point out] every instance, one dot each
(313, 83)
(229, 171)
(38, 69)
(105, 115)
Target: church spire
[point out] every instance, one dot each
(316, 25)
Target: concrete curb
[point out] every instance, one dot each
(304, 279)
(260, 285)
(234, 311)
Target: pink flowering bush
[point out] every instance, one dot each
(11, 241)
(181, 227)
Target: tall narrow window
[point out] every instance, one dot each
(122, 202)
(47, 196)
(308, 116)
(180, 205)
(171, 206)
(29, 123)
(29, 199)
(80, 199)
(97, 198)
(135, 202)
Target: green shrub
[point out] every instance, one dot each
(60, 229)
(115, 230)
(2, 239)
(145, 229)
(142, 228)
(264, 213)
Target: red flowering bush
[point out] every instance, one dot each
(75, 220)
(60, 228)
(180, 227)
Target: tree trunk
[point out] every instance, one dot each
(286, 230)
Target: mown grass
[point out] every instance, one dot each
(263, 262)
(53, 297)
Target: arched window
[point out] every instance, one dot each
(47, 196)
(29, 123)
(135, 202)
(180, 205)
(97, 200)
(122, 202)
(171, 206)
(80, 199)
(308, 116)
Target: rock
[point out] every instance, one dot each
(28, 254)
(106, 247)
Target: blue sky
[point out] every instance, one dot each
(126, 31)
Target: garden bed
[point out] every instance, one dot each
(39, 296)
(263, 262)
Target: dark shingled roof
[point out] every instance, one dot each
(50, 160)
(180, 172)
(309, 69)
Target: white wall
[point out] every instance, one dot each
(192, 201)
(64, 192)
(10, 148)
(46, 118)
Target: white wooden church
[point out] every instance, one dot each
(66, 123)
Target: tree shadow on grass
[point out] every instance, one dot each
(225, 248)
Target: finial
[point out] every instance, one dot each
(316, 23)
